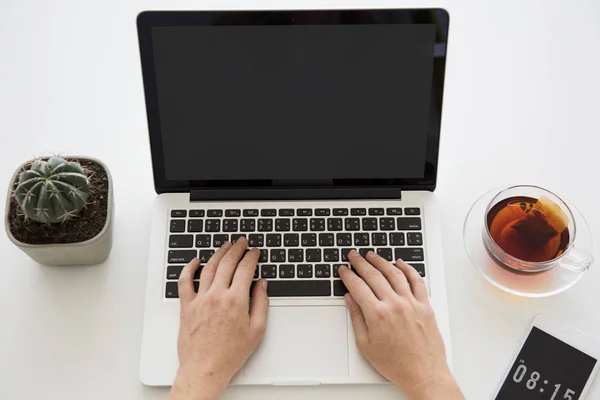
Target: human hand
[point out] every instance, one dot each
(219, 327)
(395, 327)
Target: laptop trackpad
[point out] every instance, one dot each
(302, 343)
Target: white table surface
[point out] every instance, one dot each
(521, 106)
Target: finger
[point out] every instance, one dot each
(259, 307)
(358, 319)
(242, 279)
(360, 291)
(392, 274)
(210, 269)
(229, 263)
(186, 282)
(371, 276)
(417, 284)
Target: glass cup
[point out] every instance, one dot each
(568, 256)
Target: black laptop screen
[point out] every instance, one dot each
(294, 102)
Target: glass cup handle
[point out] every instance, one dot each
(577, 260)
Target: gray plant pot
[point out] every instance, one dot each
(92, 251)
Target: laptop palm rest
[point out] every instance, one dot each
(302, 344)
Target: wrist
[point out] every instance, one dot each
(195, 386)
(441, 385)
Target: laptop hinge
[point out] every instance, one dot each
(307, 193)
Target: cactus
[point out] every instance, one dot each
(52, 191)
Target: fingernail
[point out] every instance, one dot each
(399, 260)
(226, 245)
(264, 283)
(341, 267)
(347, 299)
(370, 253)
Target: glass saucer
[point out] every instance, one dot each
(541, 284)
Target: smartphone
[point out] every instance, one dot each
(552, 362)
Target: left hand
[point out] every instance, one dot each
(219, 326)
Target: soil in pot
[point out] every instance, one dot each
(87, 225)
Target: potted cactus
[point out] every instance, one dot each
(59, 211)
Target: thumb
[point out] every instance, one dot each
(259, 306)
(357, 317)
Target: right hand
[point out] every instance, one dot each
(395, 327)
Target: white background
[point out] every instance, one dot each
(521, 106)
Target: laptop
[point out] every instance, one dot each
(311, 133)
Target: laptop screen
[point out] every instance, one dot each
(316, 102)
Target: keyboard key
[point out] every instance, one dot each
(196, 213)
(336, 267)
(409, 254)
(352, 224)
(361, 239)
(248, 225)
(274, 240)
(343, 239)
(412, 211)
(286, 271)
(369, 224)
(379, 239)
(304, 212)
(305, 271)
(277, 255)
(282, 225)
(265, 225)
(309, 239)
(270, 212)
(268, 271)
(179, 241)
(214, 213)
(181, 256)
(233, 213)
(317, 224)
(335, 224)
(230, 225)
(376, 211)
(172, 290)
(264, 256)
(298, 288)
(300, 225)
(291, 240)
(236, 236)
(394, 211)
(387, 224)
(178, 213)
(219, 240)
(409, 223)
(397, 239)
(331, 255)
(313, 255)
(286, 212)
(197, 273)
(326, 239)
(256, 240)
(195, 225)
(296, 255)
(385, 253)
(202, 240)
(322, 271)
(251, 213)
(205, 255)
(420, 269)
(173, 272)
(322, 212)
(345, 253)
(363, 252)
(358, 211)
(339, 289)
(340, 211)
(213, 225)
(256, 273)
(414, 239)
(177, 225)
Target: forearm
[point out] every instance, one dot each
(190, 387)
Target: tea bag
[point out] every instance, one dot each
(543, 222)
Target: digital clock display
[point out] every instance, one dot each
(547, 369)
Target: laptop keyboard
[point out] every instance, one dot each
(300, 249)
